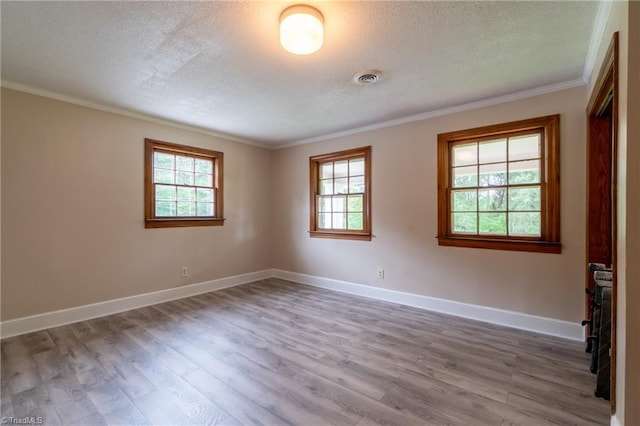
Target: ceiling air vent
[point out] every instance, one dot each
(368, 77)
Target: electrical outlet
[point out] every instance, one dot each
(381, 274)
(184, 272)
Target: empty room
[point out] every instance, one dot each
(323, 213)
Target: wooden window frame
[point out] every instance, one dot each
(153, 221)
(314, 167)
(549, 241)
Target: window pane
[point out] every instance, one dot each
(184, 163)
(492, 151)
(355, 203)
(517, 184)
(186, 208)
(340, 194)
(165, 208)
(163, 176)
(324, 220)
(339, 204)
(524, 172)
(493, 174)
(525, 224)
(186, 194)
(324, 203)
(205, 209)
(493, 223)
(356, 185)
(326, 171)
(204, 166)
(341, 186)
(339, 221)
(340, 169)
(524, 198)
(162, 160)
(165, 192)
(355, 221)
(356, 167)
(204, 195)
(465, 154)
(464, 201)
(326, 187)
(465, 176)
(492, 199)
(524, 147)
(184, 178)
(203, 180)
(171, 172)
(464, 223)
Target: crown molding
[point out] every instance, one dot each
(600, 24)
(444, 111)
(127, 113)
(390, 123)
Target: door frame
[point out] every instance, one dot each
(604, 101)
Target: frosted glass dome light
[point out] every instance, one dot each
(301, 29)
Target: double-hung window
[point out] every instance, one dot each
(498, 186)
(340, 188)
(183, 185)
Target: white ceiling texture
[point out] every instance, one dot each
(219, 66)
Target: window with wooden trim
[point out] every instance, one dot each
(183, 185)
(340, 188)
(498, 186)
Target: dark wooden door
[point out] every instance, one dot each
(599, 190)
(601, 232)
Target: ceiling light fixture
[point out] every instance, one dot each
(301, 29)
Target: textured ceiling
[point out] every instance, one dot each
(219, 65)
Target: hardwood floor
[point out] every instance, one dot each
(274, 352)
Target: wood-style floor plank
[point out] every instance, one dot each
(18, 367)
(35, 403)
(239, 406)
(159, 409)
(127, 416)
(70, 399)
(277, 353)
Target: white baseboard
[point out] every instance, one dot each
(46, 320)
(513, 319)
(615, 421)
(549, 326)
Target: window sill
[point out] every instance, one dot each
(495, 244)
(181, 223)
(340, 235)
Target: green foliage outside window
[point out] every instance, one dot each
(496, 210)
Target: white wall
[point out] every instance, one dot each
(405, 218)
(72, 230)
(624, 17)
(632, 186)
(72, 209)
